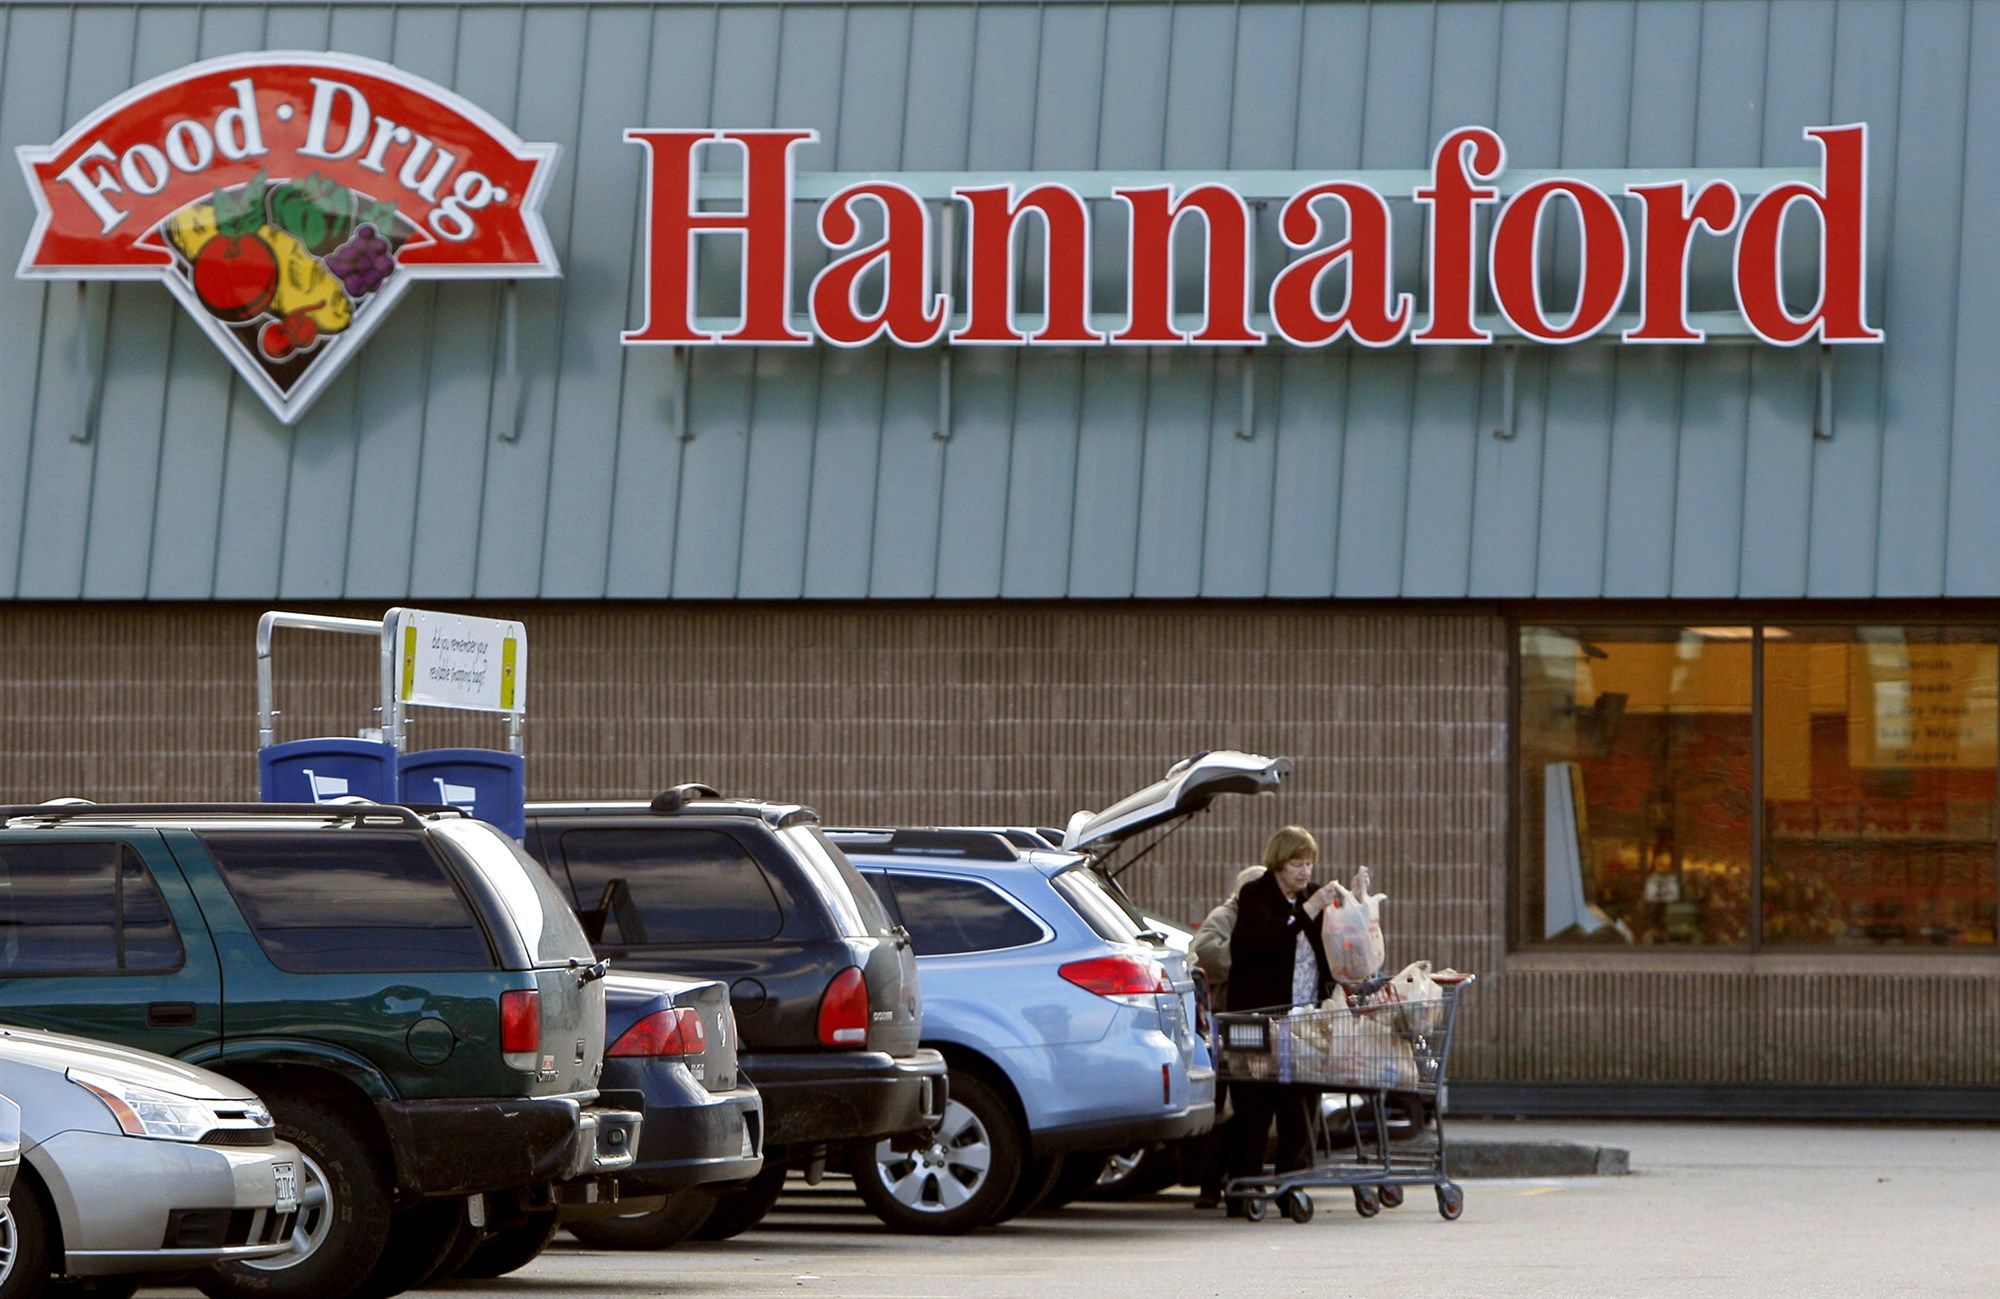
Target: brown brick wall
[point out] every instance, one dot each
(1396, 720)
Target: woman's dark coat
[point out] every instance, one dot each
(1261, 948)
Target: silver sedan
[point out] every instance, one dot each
(134, 1164)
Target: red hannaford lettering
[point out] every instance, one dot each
(1337, 230)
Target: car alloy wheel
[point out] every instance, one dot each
(10, 1243)
(960, 1179)
(313, 1222)
(948, 1172)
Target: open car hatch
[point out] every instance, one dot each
(1190, 785)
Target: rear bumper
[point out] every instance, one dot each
(825, 1097)
(693, 1136)
(1123, 1134)
(448, 1147)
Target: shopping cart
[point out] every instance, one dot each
(1370, 1050)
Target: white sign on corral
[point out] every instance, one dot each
(446, 660)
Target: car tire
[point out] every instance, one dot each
(465, 1238)
(1143, 1170)
(684, 1214)
(962, 1180)
(1031, 1192)
(419, 1239)
(27, 1234)
(511, 1248)
(743, 1208)
(343, 1215)
(1078, 1178)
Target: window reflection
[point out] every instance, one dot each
(1645, 818)
(1879, 786)
(1636, 812)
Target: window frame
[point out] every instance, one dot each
(892, 873)
(127, 851)
(481, 923)
(783, 905)
(1981, 616)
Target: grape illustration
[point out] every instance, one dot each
(363, 262)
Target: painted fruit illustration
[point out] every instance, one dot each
(295, 333)
(363, 262)
(235, 274)
(305, 284)
(317, 211)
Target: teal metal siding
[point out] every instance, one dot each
(435, 469)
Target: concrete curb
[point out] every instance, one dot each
(1473, 1159)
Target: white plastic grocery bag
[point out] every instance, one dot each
(1351, 931)
(1417, 998)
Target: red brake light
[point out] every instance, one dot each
(1118, 976)
(673, 1033)
(521, 1021)
(843, 1010)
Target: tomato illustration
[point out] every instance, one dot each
(235, 276)
(274, 341)
(235, 273)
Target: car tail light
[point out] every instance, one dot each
(843, 1010)
(521, 1025)
(675, 1033)
(1132, 979)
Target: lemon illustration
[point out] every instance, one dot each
(192, 227)
(304, 283)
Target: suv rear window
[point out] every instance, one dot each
(350, 901)
(856, 911)
(682, 886)
(69, 907)
(1096, 904)
(946, 916)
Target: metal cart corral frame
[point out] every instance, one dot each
(1370, 1050)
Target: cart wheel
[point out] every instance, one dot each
(1451, 1201)
(1365, 1201)
(1253, 1210)
(1298, 1206)
(1392, 1197)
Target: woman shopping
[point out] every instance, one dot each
(1275, 961)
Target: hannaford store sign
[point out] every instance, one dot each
(880, 232)
(288, 199)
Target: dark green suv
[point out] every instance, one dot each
(407, 991)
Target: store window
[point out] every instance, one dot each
(1763, 784)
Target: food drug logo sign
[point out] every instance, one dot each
(887, 285)
(288, 199)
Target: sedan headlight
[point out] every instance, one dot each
(145, 1112)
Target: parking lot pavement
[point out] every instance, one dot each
(1735, 1211)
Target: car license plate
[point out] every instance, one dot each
(287, 1177)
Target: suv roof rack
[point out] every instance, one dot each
(980, 845)
(82, 811)
(677, 797)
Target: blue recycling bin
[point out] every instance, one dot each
(486, 783)
(321, 770)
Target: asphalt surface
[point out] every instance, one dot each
(1740, 1211)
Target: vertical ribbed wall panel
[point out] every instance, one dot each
(430, 472)
(1024, 713)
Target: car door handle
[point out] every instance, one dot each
(169, 1014)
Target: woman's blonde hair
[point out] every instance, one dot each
(1290, 841)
